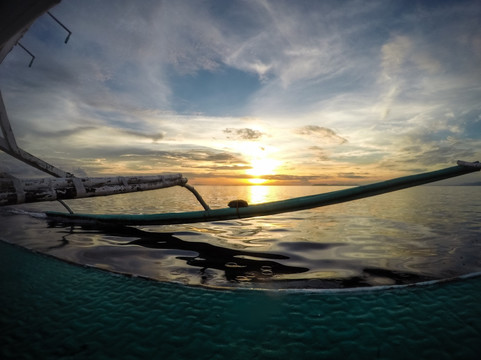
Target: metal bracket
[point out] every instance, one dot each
(29, 53)
(62, 25)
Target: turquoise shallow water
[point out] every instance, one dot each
(51, 309)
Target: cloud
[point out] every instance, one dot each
(322, 133)
(394, 55)
(321, 154)
(154, 137)
(292, 178)
(351, 175)
(289, 44)
(60, 134)
(434, 154)
(243, 134)
(405, 63)
(192, 154)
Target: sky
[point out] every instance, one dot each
(249, 92)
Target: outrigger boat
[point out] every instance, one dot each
(64, 185)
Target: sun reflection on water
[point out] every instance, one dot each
(259, 194)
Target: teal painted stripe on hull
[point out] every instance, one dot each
(271, 208)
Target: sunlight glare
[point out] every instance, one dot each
(258, 194)
(257, 181)
(261, 160)
(262, 166)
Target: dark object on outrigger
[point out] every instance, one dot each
(237, 204)
(271, 208)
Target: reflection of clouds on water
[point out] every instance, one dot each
(236, 265)
(166, 257)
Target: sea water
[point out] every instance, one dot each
(418, 234)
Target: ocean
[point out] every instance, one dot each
(414, 235)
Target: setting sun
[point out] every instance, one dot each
(261, 167)
(261, 161)
(257, 181)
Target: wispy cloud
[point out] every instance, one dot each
(322, 134)
(243, 134)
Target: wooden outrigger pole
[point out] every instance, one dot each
(18, 191)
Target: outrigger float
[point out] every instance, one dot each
(63, 185)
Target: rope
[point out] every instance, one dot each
(79, 186)
(18, 185)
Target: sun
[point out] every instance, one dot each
(261, 166)
(261, 160)
(257, 181)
